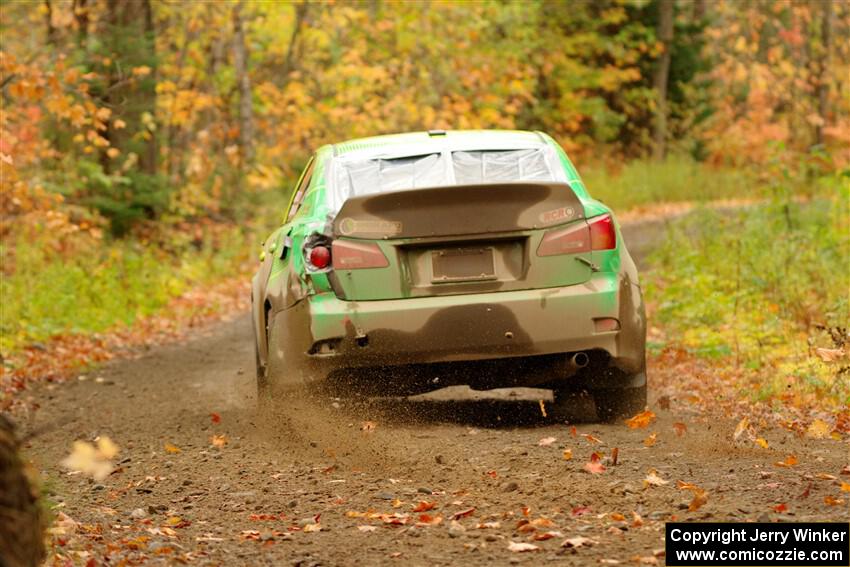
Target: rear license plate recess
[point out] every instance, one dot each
(461, 264)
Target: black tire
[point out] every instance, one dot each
(613, 404)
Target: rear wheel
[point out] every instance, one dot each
(618, 403)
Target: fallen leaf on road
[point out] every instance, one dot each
(424, 506)
(761, 443)
(594, 466)
(368, 426)
(617, 517)
(546, 441)
(832, 501)
(522, 547)
(637, 520)
(63, 525)
(650, 441)
(367, 528)
(312, 528)
(106, 448)
(699, 500)
(546, 536)
(568, 454)
(524, 526)
(641, 420)
(845, 486)
(396, 503)
(615, 454)
(830, 354)
(486, 525)
(819, 429)
(680, 428)
(789, 461)
(591, 439)
(779, 508)
(92, 460)
(394, 519)
(215, 417)
(742, 427)
(652, 479)
(825, 476)
(172, 449)
(573, 431)
(578, 541)
(429, 520)
(218, 441)
(462, 514)
(700, 495)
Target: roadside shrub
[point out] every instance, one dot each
(49, 291)
(758, 285)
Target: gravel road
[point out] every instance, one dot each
(424, 482)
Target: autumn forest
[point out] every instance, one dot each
(147, 147)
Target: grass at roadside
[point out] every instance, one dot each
(49, 293)
(752, 291)
(643, 182)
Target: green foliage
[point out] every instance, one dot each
(114, 283)
(678, 178)
(756, 284)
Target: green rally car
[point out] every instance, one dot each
(416, 261)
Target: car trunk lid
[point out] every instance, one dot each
(456, 239)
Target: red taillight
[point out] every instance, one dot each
(574, 239)
(320, 257)
(602, 234)
(349, 255)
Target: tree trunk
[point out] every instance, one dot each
(300, 18)
(131, 96)
(81, 15)
(21, 518)
(823, 68)
(700, 9)
(662, 72)
(48, 20)
(240, 63)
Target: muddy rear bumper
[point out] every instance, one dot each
(323, 333)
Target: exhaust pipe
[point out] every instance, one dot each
(579, 360)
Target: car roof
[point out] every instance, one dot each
(434, 141)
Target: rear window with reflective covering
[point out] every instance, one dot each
(489, 166)
(356, 178)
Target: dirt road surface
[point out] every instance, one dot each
(427, 482)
